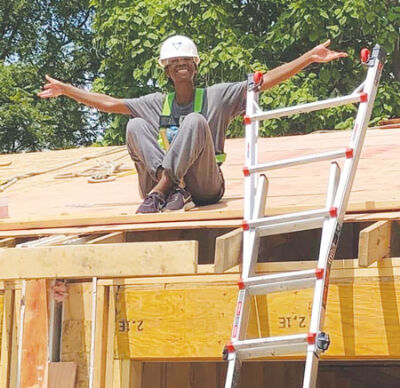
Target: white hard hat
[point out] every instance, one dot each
(178, 46)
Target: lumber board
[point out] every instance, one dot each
(75, 202)
(362, 319)
(206, 274)
(374, 243)
(7, 311)
(34, 356)
(69, 220)
(62, 374)
(173, 318)
(172, 225)
(96, 229)
(100, 343)
(16, 322)
(110, 338)
(115, 237)
(100, 260)
(228, 250)
(76, 330)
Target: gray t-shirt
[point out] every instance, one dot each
(222, 103)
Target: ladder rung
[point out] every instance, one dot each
(270, 346)
(289, 227)
(312, 106)
(290, 217)
(281, 282)
(348, 153)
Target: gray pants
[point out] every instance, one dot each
(190, 158)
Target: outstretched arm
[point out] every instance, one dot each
(319, 54)
(55, 88)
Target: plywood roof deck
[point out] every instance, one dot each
(45, 202)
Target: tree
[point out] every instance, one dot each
(39, 37)
(236, 36)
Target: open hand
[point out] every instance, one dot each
(322, 54)
(53, 88)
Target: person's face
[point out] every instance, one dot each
(180, 69)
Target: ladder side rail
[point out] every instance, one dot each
(309, 107)
(249, 240)
(350, 166)
(332, 227)
(251, 133)
(334, 179)
(249, 259)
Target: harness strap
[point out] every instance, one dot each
(166, 114)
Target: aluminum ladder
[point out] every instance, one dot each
(330, 218)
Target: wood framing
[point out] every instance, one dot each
(374, 243)
(189, 317)
(34, 355)
(228, 250)
(100, 260)
(6, 337)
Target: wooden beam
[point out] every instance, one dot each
(100, 260)
(374, 243)
(228, 250)
(62, 374)
(96, 229)
(34, 354)
(74, 220)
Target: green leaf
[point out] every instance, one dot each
(370, 17)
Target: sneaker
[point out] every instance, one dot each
(152, 203)
(178, 200)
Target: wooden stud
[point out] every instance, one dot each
(122, 374)
(15, 335)
(35, 336)
(6, 338)
(374, 243)
(82, 261)
(101, 336)
(109, 361)
(228, 250)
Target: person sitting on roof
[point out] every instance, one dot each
(183, 169)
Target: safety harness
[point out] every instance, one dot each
(166, 121)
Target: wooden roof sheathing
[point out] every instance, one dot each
(45, 202)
